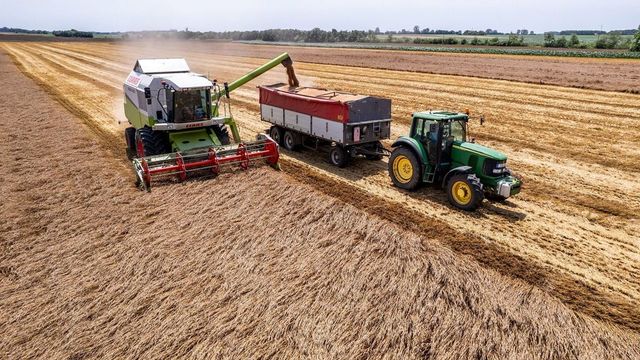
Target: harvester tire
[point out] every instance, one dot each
(464, 192)
(130, 138)
(276, 134)
(149, 142)
(290, 141)
(404, 168)
(338, 156)
(222, 133)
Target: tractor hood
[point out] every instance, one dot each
(480, 150)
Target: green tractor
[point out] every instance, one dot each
(437, 152)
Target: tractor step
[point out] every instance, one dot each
(210, 160)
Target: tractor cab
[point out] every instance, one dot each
(437, 151)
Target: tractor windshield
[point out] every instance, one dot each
(191, 105)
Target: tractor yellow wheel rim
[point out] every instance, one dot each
(402, 169)
(461, 192)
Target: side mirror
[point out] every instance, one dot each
(482, 120)
(147, 93)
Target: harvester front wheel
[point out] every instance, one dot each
(464, 192)
(404, 169)
(130, 138)
(222, 133)
(150, 143)
(276, 134)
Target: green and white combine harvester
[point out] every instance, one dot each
(180, 122)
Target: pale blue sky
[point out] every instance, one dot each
(503, 15)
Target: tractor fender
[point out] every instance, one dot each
(414, 145)
(459, 170)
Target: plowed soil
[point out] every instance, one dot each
(570, 238)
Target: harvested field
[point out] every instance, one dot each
(552, 273)
(602, 74)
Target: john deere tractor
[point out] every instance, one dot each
(437, 152)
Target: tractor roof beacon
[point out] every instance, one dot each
(437, 151)
(180, 122)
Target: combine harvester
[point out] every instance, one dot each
(179, 122)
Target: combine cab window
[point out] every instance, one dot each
(191, 106)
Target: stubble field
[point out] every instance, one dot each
(572, 233)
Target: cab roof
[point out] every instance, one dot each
(440, 115)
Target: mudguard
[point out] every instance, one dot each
(459, 170)
(415, 146)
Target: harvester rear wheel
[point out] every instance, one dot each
(404, 169)
(276, 134)
(464, 193)
(222, 133)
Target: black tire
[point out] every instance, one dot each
(338, 156)
(130, 139)
(222, 133)
(290, 141)
(404, 168)
(464, 192)
(149, 142)
(276, 134)
(495, 197)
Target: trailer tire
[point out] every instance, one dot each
(404, 168)
(290, 141)
(222, 133)
(338, 156)
(130, 138)
(276, 134)
(464, 192)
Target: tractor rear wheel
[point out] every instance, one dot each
(222, 133)
(464, 192)
(276, 134)
(404, 169)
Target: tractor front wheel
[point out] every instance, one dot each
(404, 169)
(464, 192)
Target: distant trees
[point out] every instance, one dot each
(608, 41)
(635, 43)
(22, 31)
(416, 29)
(73, 33)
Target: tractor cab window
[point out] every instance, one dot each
(458, 131)
(192, 105)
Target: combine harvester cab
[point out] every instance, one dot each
(180, 123)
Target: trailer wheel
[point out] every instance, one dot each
(289, 141)
(130, 138)
(276, 134)
(338, 156)
(404, 169)
(464, 192)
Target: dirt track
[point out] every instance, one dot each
(566, 234)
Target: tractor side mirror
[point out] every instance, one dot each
(147, 93)
(482, 120)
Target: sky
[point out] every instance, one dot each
(197, 15)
